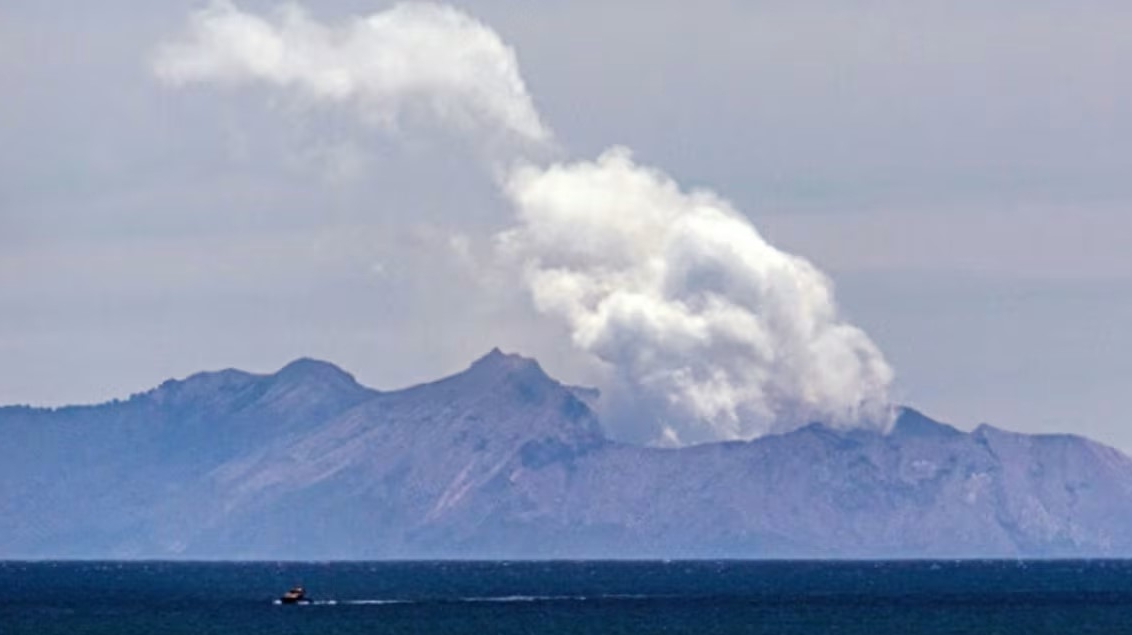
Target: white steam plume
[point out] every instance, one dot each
(413, 57)
(723, 335)
(715, 333)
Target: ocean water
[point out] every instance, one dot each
(482, 598)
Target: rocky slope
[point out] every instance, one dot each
(501, 461)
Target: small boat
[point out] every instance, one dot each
(295, 596)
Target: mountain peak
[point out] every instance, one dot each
(497, 359)
(307, 380)
(913, 423)
(306, 368)
(497, 365)
(511, 383)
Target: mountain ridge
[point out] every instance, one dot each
(500, 460)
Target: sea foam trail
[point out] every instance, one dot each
(476, 599)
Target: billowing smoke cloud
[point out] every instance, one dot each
(713, 332)
(411, 58)
(721, 334)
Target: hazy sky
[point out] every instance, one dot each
(960, 170)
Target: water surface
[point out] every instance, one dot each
(480, 598)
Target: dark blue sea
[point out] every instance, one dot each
(482, 598)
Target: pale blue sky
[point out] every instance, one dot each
(961, 170)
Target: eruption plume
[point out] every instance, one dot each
(416, 57)
(719, 333)
(713, 332)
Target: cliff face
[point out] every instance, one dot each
(501, 461)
